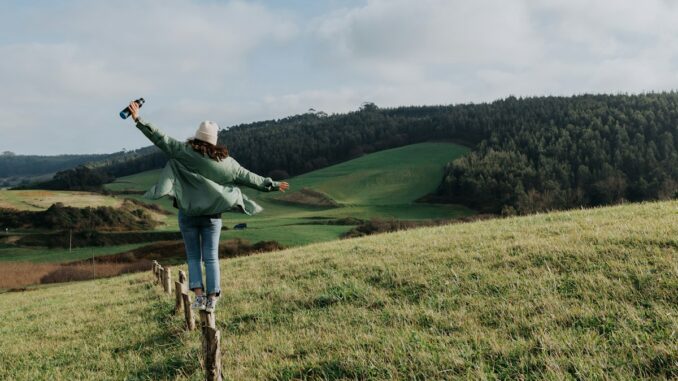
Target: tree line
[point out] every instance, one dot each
(12, 165)
(529, 154)
(548, 153)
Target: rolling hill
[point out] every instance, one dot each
(26, 169)
(584, 294)
(397, 176)
(528, 155)
(383, 184)
(390, 181)
(389, 177)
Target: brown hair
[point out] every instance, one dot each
(215, 152)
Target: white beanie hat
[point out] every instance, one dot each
(207, 132)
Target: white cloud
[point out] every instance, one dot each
(68, 67)
(485, 49)
(401, 40)
(88, 58)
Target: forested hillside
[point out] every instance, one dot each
(554, 153)
(71, 170)
(30, 165)
(528, 154)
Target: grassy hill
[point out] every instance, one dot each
(383, 184)
(388, 182)
(585, 294)
(396, 176)
(43, 199)
(137, 182)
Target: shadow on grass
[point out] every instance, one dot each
(174, 358)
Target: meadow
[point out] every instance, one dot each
(583, 294)
(11, 253)
(383, 184)
(38, 199)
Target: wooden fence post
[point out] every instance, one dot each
(188, 313)
(178, 289)
(160, 274)
(211, 340)
(167, 280)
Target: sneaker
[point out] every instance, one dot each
(211, 303)
(199, 302)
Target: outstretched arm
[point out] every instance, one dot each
(166, 143)
(252, 180)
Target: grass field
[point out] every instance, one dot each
(138, 182)
(42, 199)
(383, 184)
(586, 294)
(396, 176)
(10, 253)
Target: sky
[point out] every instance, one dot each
(68, 67)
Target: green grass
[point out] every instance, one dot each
(383, 184)
(136, 182)
(395, 176)
(35, 199)
(109, 329)
(10, 253)
(586, 294)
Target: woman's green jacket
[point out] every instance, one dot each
(200, 184)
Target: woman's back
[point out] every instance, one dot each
(201, 178)
(200, 184)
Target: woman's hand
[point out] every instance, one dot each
(134, 110)
(283, 186)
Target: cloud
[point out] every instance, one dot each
(495, 48)
(400, 40)
(68, 67)
(89, 58)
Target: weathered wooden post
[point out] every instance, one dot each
(178, 288)
(155, 269)
(188, 313)
(207, 319)
(167, 280)
(211, 340)
(160, 274)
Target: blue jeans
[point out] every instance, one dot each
(201, 237)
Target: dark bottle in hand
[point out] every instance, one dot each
(126, 112)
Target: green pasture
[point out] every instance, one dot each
(38, 199)
(395, 176)
(137, 182)
(11, 253)
(585, 294)
(383, 184)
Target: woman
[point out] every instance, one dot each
(201, 178)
